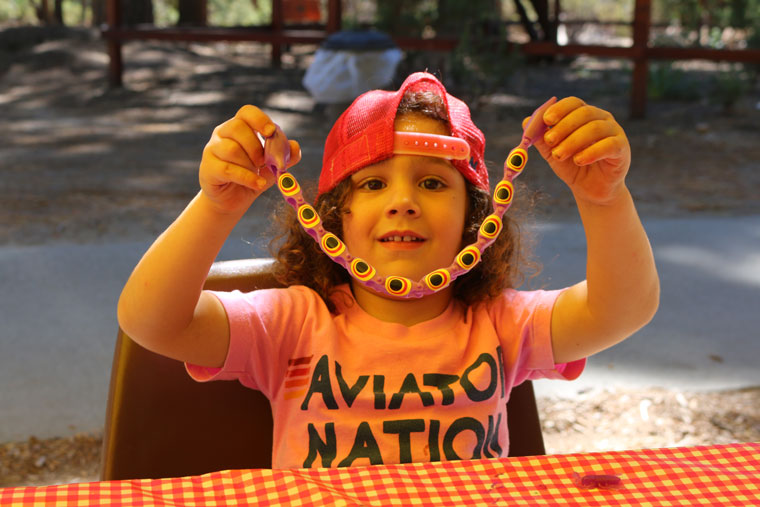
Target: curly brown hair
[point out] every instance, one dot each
(505, 264)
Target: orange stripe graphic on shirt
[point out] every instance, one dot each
(298, 376)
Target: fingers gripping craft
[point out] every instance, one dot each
(233, 172)
(587, 149)
(276, 155)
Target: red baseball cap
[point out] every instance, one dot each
(364, 133)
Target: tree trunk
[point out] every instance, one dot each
(43, 12)
(58, 12)
(98, 12)
(135, 12)
(192, 12)
(525, 20)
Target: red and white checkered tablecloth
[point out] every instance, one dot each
(706, 475)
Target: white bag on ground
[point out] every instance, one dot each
(351, 64)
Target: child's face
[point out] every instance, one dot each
(407, 213)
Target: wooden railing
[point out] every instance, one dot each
(276, 34)
(640, 53)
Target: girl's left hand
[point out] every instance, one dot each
(587, 149)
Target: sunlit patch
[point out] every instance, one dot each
(438, 279)
(398, 285)
(332, 246)
(504, 192)
(468, 257)
(307, 216)
(491, 226)
(516, 159)
(288, 185)
(362, 270)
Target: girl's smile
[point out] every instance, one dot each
(402, 240)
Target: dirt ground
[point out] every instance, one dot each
(82, 162)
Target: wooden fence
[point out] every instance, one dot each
(278, 34)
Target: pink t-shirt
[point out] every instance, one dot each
(348, 389)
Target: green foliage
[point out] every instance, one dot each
(482, 61)
(691, 14)
(481, 65)
(723, 88)
(238, 13)
(681, 12)
(753, 41)
(20, 11)
(165, 12)
(728, 87)
(601, 10)
(671, 83)
(75, 12)
(408, 18)
(220, 12)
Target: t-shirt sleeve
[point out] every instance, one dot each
(264, 327)
(523, 322)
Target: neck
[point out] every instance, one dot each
(401, 311)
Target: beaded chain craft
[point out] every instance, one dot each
(277, 152)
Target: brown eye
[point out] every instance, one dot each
(373, 185)
(432, 184)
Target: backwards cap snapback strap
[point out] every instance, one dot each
(431, 145)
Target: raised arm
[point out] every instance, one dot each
(162, 305)
(589, 151)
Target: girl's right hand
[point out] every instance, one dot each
(232, 172)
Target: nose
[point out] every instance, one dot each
(403, 202)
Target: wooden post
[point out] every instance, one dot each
(277, 27)
(334, 15)
(641, 20)
(115, 65)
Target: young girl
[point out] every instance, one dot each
(356, 376)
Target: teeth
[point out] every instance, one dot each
(400, 238)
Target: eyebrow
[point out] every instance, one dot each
(442, 163)
(436, 161)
